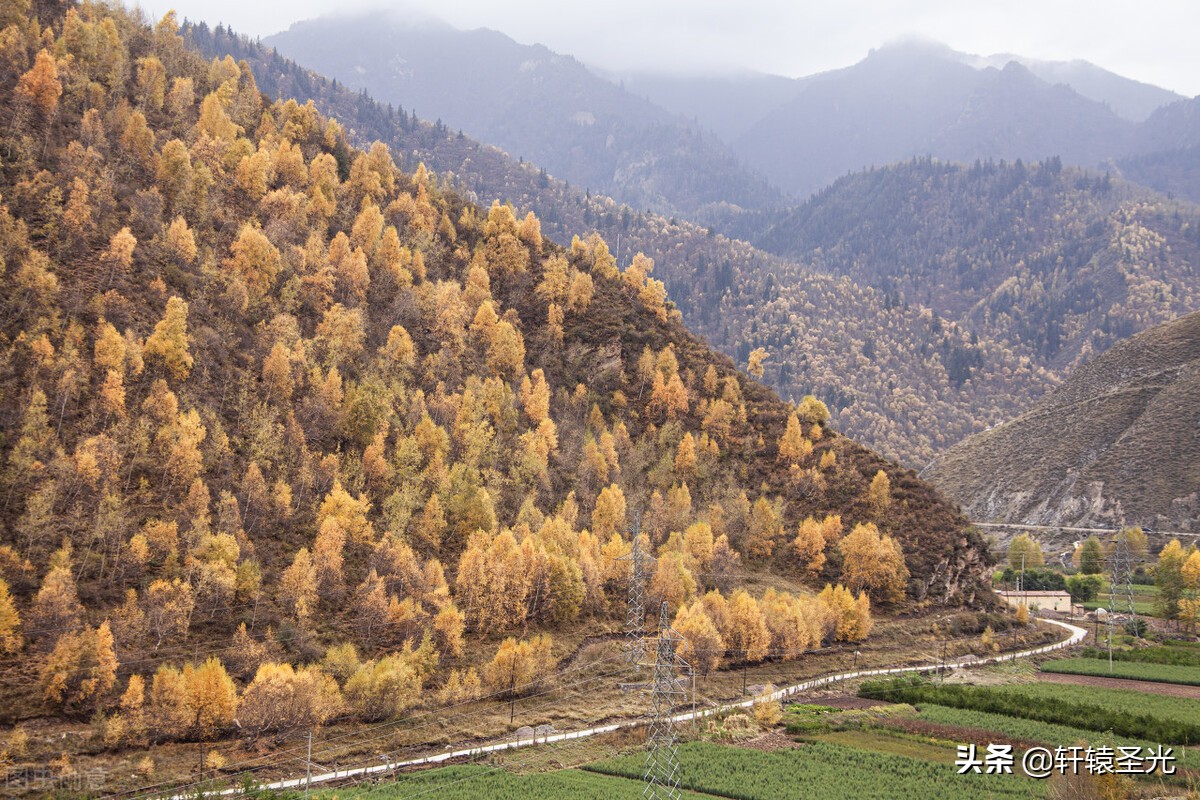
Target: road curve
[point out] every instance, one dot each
(1076, 635)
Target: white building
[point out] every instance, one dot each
(1056, 600)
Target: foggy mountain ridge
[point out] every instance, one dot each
(536, 104)
(699, 146)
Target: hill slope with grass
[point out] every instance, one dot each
(1117, 443)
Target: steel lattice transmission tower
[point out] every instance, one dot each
(662, 747)
(635, 619)
(1122, 577)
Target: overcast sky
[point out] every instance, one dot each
(1152, 41)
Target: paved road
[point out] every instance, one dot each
(1076, 635)
(1156, 532)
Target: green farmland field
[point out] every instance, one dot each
(477, 782)
(825, 771)
(1164, 673)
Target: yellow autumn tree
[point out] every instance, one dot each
(754, 364)
(852, 615)
(492, 583)
(788, 623)
(793, 447)
(535, 397)
(81, 669)
(168, 607)
(519, 667)
(298, 586)
(809, 546)
(1024, 552)
(702, 645)
(685, 455)
(879, 494)
(874, 562)
(608, 517)
(672, 582)
(210, 698)
(282, 699)
(745, 632)
(385, 688)
(56, 607)
(169, 341)
(765, 529)
(349, 513)
(328, 558)
(10, 622)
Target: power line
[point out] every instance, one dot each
(272, 760)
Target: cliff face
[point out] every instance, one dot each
(1116, 444)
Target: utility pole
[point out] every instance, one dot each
(662, 774)
(635, 614)
(1021, 580)
(1110, 634)
(512, 693)
(692, 670)
(308, 766)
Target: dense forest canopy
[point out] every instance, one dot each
(922, 302)
(279, 417)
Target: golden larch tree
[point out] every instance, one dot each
(10, 622)
(809, 545)
(702, 645)
(81, 669)
(879, 494)
(745, 633)
(169, 341)
(874, 562)
(40, 86)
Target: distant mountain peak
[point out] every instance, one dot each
(913, 43)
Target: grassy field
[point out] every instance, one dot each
(477, 782)
(1144, 600)
(1121, 701)
(1034, 731)
(1144, 607)
(1134, 714)
(1133, 670)
(1175, 654)
(826, 771)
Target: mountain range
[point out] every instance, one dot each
(699, 146)
(536, 104)
(897, 359)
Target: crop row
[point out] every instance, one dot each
(1046, 733)
(489, 783)
(1176, 656)
(1119, 701)
(1133, 670)
(1056, 703)
(824, 771)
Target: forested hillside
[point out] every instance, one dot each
(901, 373)
(1048, 260)
(281, 419)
